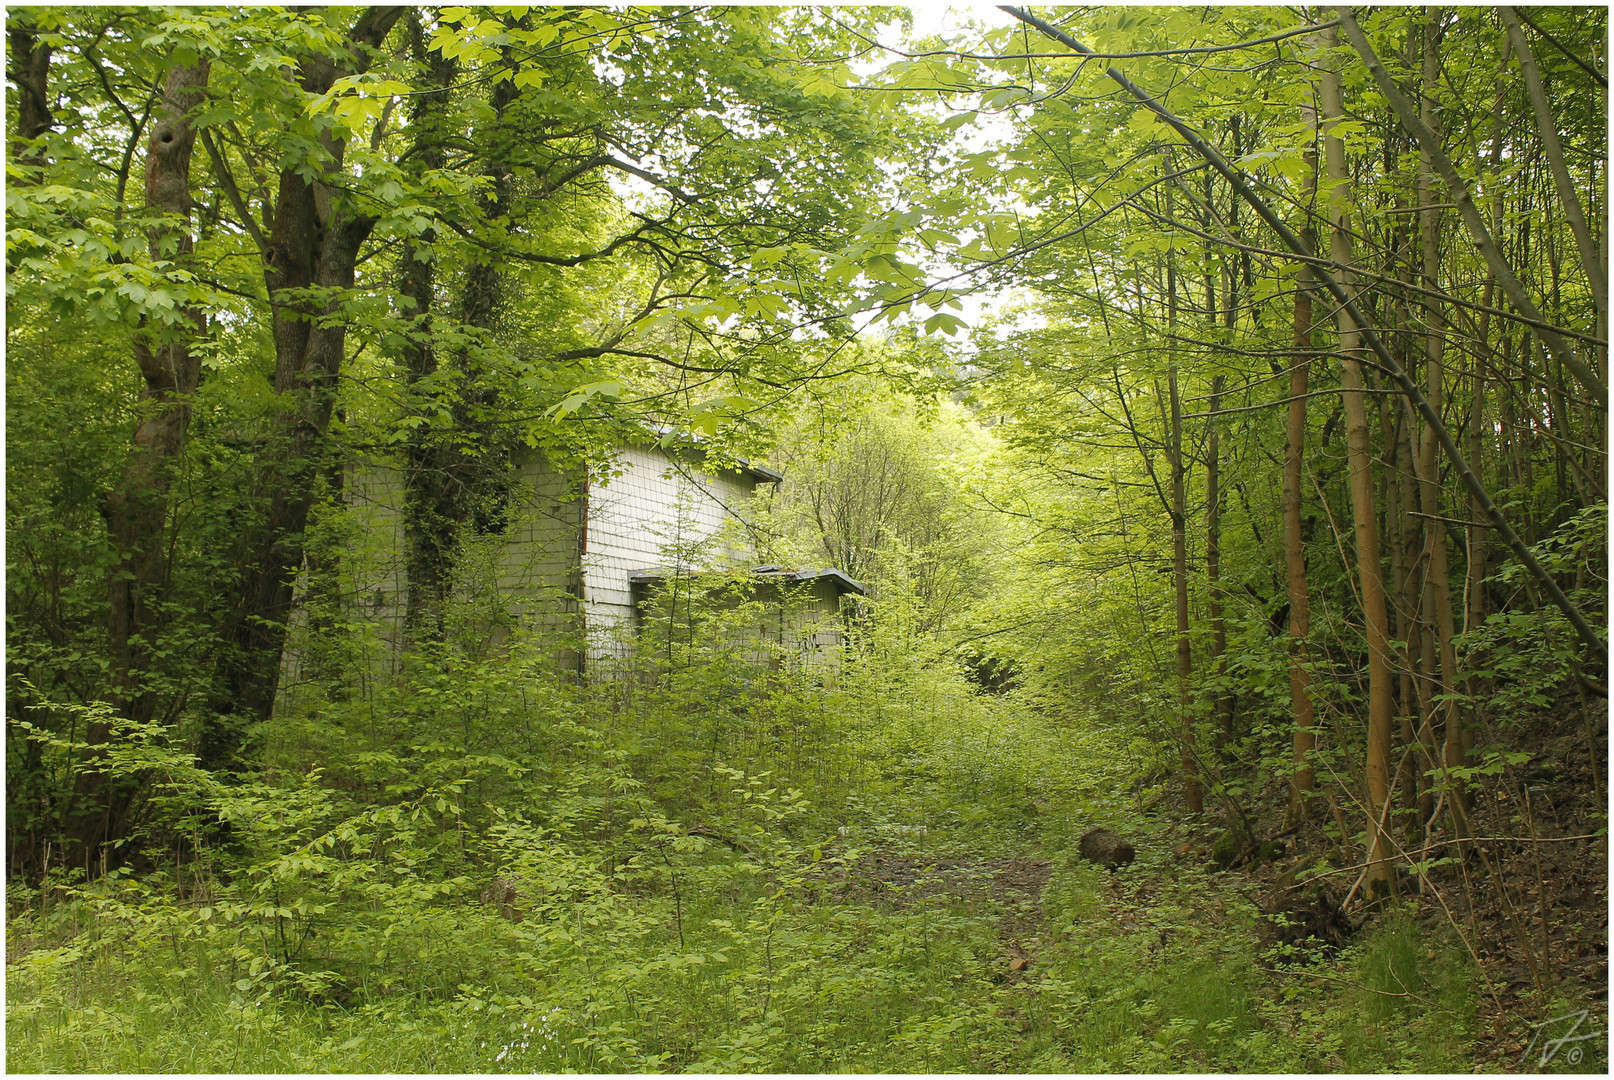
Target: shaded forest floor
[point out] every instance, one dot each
(1528, 903)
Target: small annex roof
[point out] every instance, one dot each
(766, 475)
(841, 582)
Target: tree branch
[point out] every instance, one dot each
(221, 169)
(1295, 243)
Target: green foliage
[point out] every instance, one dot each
(1409, 990)
(504, 884)
(448, 851)
(1529, 653)
(601, 927)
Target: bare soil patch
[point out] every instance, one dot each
(904, 882)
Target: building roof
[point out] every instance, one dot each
(766, 475)
(839, 579)
(836, 578)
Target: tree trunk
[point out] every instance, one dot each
(1192, 795)
(427, 501)
(1403, 534)
(1343, 297)
(1429, 143)
(1437, 610)
(30, 74)
(1213, 556)
(1474, 616)
(1359, 452)
(455, 483)
(1223, 701)
(1547, 129)
(136, 509)
(1474, 613)
(1294, 552)
(315, 241)
(1294, 543)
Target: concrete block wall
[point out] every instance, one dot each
(375, 564)
(542, 546)
(806, 620)
(784, 625)
(540, 555)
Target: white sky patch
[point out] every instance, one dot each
(953, 20)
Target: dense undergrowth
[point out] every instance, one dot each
(492, 870)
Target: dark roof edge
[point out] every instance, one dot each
(841, 581)
(760, 472)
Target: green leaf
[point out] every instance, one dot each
(582, 395)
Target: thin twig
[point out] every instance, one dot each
(1357, 985)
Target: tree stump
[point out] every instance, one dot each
(1310, 925)
(1105, 848)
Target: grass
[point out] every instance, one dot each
(833, 987)
(355, 938)
(1134, 971)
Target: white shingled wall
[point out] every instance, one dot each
(653, 512)
(375, 495)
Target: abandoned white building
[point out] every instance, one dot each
(585, 550)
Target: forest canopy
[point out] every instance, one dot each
(1204, 410)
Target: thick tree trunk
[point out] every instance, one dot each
(309, 353)
(314, 242)
(30, 74)
(1359, 453)
(136, 509)
(427, 496)
(453, 486)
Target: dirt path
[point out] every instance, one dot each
(1016, 885)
